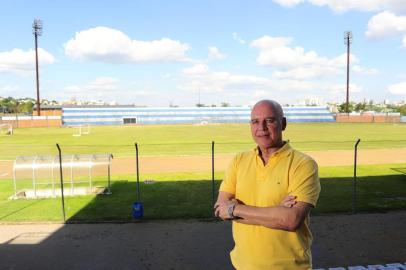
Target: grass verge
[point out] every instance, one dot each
(380, 188)
(196, 139)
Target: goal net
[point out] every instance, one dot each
(82, 130)
(6, 129)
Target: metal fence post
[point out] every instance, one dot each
(354, 182)
(137, 207)
(212, 173)
(61, 178)
(138, 172)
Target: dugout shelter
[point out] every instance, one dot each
(38, 176)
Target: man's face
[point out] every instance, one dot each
(266, 126)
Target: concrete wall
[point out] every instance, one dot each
(48, 113)
(32, 121)
(368, 118)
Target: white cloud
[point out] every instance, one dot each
(340, 6)
(220, 85)
(382, 25)
(346, 5)
(103, 84)
(20, 61)
(386, 24)
(365, 71)
(222, 81)
(142, 93)
(297, 63)
(215, 54)
(113, 46)
(302, 73)
(9, 90)
(341, 88)
(261, 94)
(397, 89)
(105, 88)
(219, 81)
(96, 89)
(274, 51)
(197, 69)
(167, 76)
(288, 3)
(238, 38)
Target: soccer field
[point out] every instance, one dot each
(188, 193)
(155, 140)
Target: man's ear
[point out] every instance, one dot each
(284, 123)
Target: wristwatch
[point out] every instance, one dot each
(230, 211)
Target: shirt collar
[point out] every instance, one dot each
(285, 150)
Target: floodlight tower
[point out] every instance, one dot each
(37, 31)
(348, 41)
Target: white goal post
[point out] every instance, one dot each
(82, 130)
(6, 129)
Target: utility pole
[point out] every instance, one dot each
(348, 41)
(37, 31)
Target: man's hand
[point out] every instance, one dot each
(221, 209)
(289, 201)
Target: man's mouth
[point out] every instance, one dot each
(263, 135)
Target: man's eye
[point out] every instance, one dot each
(270, 121)
(253, 122)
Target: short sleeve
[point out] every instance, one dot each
(230, 178)
(305, 183)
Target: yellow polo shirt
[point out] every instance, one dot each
(287, 172)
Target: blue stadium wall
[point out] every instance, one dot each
(72, 116)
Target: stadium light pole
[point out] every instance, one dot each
(37, 31)
(348, 41)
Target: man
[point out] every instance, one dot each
(268, 193)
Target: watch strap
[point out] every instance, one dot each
(230, 210)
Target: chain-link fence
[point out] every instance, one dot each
(176, 180)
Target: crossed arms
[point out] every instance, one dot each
(289, 215)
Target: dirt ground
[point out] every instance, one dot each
(339, 240)
(202, 163)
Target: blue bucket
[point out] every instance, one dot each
(138, 210)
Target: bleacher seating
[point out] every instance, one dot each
(119, 115)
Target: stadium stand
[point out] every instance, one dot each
(119, 115)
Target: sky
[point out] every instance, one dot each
(161, 53)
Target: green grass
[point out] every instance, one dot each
(195, 139)
(189, 195)
(380, 188)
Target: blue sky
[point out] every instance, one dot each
(157, 53)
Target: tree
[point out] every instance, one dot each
(12, 105)
(402, 109)
(360, 107)
(26, 107)
(343, 106)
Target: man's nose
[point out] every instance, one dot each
(263, 125)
